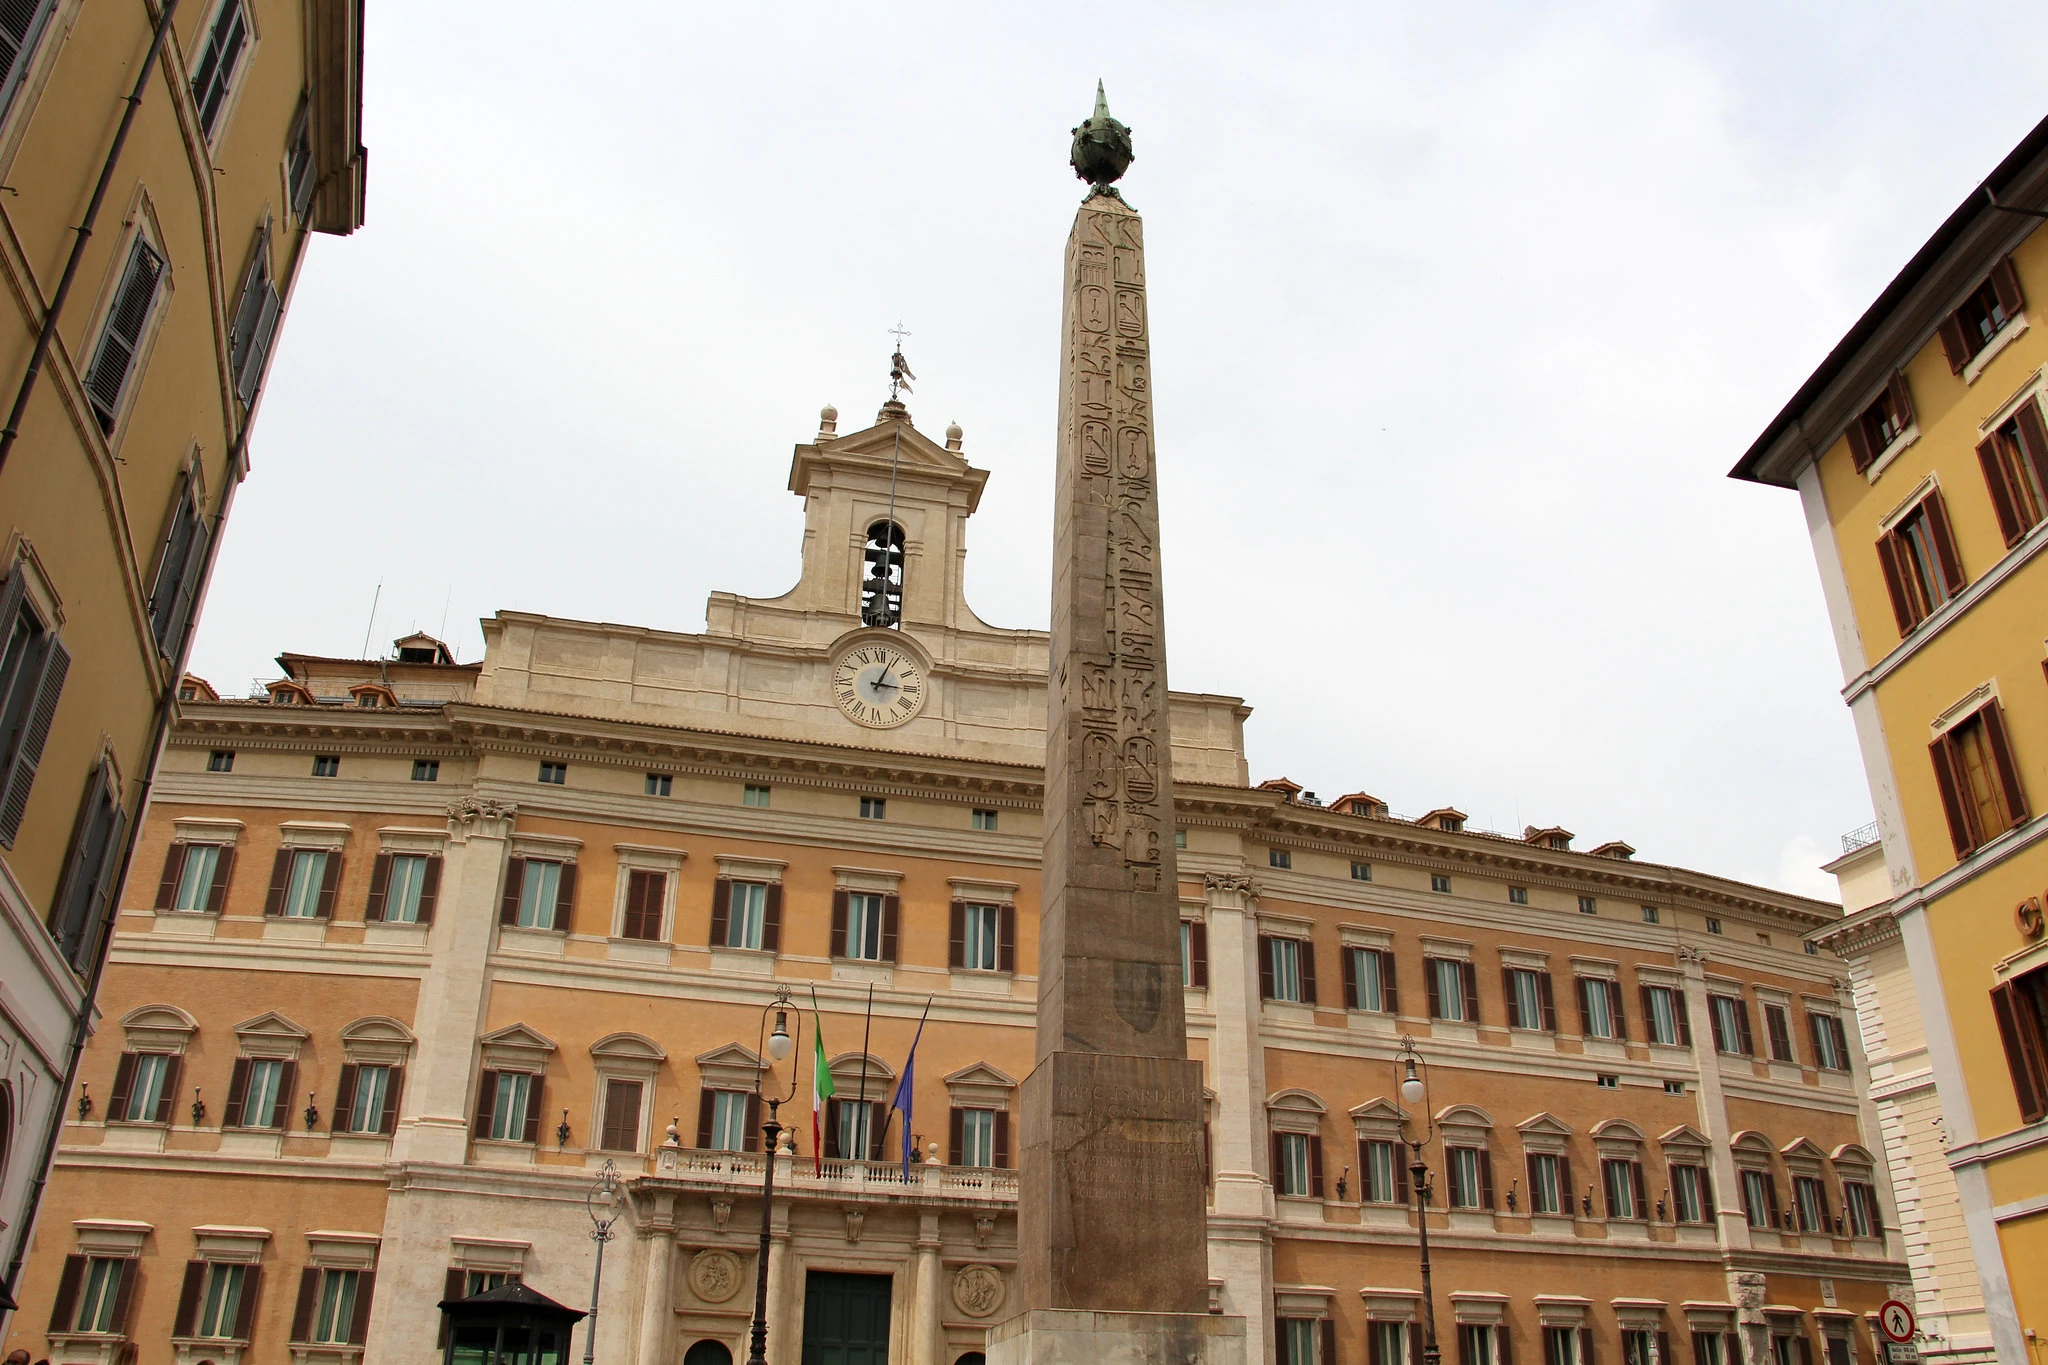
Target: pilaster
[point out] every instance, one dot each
(658, 1252)
(1240, 1231)
(1732, 1226)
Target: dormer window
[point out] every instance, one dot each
(1446, 818)
(285, 692)
(881, 592)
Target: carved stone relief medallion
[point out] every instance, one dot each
(978, 1290)
(715, 1276)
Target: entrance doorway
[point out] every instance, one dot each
(846, 1319)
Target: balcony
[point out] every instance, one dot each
(834, 1179)
(1862, 837)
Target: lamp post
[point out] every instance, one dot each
(1414, 1089)
(602, 1204)
(778, 1047)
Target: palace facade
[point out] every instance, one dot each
(415, 947)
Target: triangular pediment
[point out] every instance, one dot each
(1684, 1135)
(1546, 1123)
(1381, 1108)
(270, 1024)
(732, 1054)
(880, 442)
(981, 1073)
(519, 1036)
(1802, 1148)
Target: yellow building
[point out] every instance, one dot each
(1920, 452)
(413, 947)
(164, 166)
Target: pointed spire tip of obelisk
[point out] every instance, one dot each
(1102, 148)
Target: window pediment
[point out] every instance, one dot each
(628, 1055)
(517, 1048)
(1465, 1125)
(1378, 1119)
(159, 1028)
(1295, 1111)
(1618, 1139)
(847, 1077)
(1684, 1142)
(1803, 1156)
(376, 1041)
(1853, 1155)
(980, 1086)
(731, 1067)
(1545, 1133)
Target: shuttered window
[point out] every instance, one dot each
(80, 913)
(1622, 1183)
(980, 931)
(180, 565)
(368, 1099)
(120, 342)
(1978, 779)
(1921, 567)
(220, 61)
(621, 1131)
(1883, 422)
(866, 919)
(1548, 1184)
(1691, 1199)
(255, 325)
(301, 170)
(32, 672)
(1665, 1015)
(2015, 463)
(2021, 1008)
(1470, 1173)
(1378, 1177)
(645, 893)
(1731, 1025)
(21, 30)
(304, 878)
(1991, 305)
(1778, 1024)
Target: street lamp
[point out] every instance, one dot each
(1414, 1090)
(778, 1047)
(602, 1204)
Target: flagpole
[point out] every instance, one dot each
(906, 1088)
(867, 1137)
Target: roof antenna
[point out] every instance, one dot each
(372, 625)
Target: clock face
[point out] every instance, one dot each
(878, 685)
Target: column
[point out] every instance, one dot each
(1239, 1225)
(1732, 1227)
(785, 1308)
(657, 1312)
(924, 1319)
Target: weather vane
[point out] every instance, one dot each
(899, 368)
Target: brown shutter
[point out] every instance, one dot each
(1504, 1355)
(1470, 976)
(1649, 1016)
(1585, 1007)
(1902, 398)
(1436, 1004)
(621, 1116)
(1529, 1174)
(486, 1103)
(1315, 1165)
(565, 898)
(1329, 1341)
(1372, 1345)
(344, 1100)
(832, 1128)
(1614, 998)
(1607, 1186)
(721, 912)
(1664, 1349)
(2005, 282)
(1564, 1187)
(2000, 745)
(187, 1321)
(1860, 453)
(223, 870)
(1813, 1029)
(394, 1086)
(1348, 958)
(1400, 1175)
(771, 918)
(238, 1094)
(1944, 540)
(1748, 1039)
(1586, 1346)
(2034, 440)
(956, 1136)
(515, 881)
(167, 888)
(1635, 1174)
(1006, 940)
(535, 1093)
(125, 1294)
(366, 1293)
(245, 1311)
(1904, 611)
(1545, 994)
(1279, 1161)
(1680, 1008)
(1265, 967)
(839, 901)
(64, 1308)
(168, 1095)
(707, 1106)
(1002, 1142)
(1485, 1178)
(891, 910)
(1308, 972)
(454, 1287)
(280, 877)
(1771, 1197)
(2020, 1031)
(1955, 343)
(287, 1086)
(956, 946)
(1942, 754)
(309, 1295)
(2001, 496)
(1511, 1000)
(751, 1117)
(124, 1086)
(430, 888)
(330, 878)
(380, 886)
(1390, 996)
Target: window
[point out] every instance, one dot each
(857, 1131)
(1561, 1346)
(121, 335)
(1475, 1344)
(1967, 331)
(21, 31)
(302, 171)
(100, 1293)
(1665, 1016)
(1453, 990)
(1439, 882)
(1759, 1199)
(259, 1095)
(881, 592)
(867, 926)
(1707, 1349)
(1600, 1008)
(1859, 1203)
(1778, 1025)
(1549, 1183)
(1180, 838)
(255, 327)
(1382, 1179)
(1649, 914)
(1883, 422)
(1369, 980)
(746, 914)
(1637, 1348)
(403, 889)
(483, 1281)
(1921, 567)
(1838, 1350)
(977, 1137)
(327, 765)
(367, 1100)
(1588, 905)
(1298, 1165)
(1279, 857)
(1812, 949)
(1763, 938)
(874, 808)
(180, 565)
(221, 761)
(1518, 895)
(984, 820)
(979, 931)
(1607, 1081)
(1297, 1344)
(621, 1128)
(1713, 925)
(1388, 1344)
(1810, 1201)
(1530, 1003)
(1674, 1087)
(2015, 461)
(538, 893)
(731, 1121)
(1622, 1183)
(1690, 1197)
(302, 884)
(144, 1088)
(1361, 872)
(426, 770)
(198, 877)
(32, 672)
(1731, 1025)
(1978, 779)
(751, 795)
(661, 784)
(645, 893)
(1283, 969)
(507, 1113)
(1194, 954)
(1470, 1170)
(554, 774)
(219, 1301)
(334, 1317)
(219, 61)
(1830, 1042)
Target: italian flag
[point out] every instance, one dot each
(821, 1090)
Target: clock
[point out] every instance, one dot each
(878, 684)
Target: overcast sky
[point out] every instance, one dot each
(1460, 312)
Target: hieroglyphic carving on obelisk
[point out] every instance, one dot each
(1111, 1212)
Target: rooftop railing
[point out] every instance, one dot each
(1862, 837)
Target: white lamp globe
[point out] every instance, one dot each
(1411, 1090)
(780, 1044)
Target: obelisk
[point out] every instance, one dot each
(1111, 1209)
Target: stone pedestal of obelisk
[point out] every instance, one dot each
(1112, 1250)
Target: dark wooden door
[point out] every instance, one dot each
(846, 1319)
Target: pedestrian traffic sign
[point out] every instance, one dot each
(1896, 1319)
